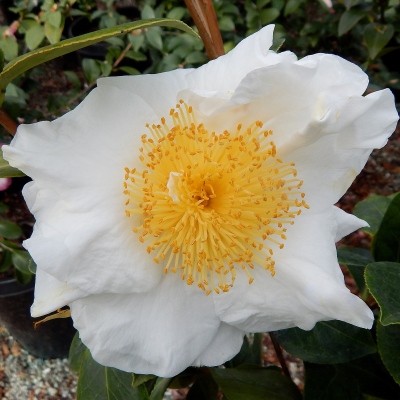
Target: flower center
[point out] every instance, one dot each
(210, 203)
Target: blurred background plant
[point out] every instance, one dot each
(366, 32)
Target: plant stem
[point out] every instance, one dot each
(279, 354)
(8, 123)
(203, 14)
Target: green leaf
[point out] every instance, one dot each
(176, 13)
(383, 280)
(292, 6)
(129, 70)
(329, 382)
(34, 36)
(91, 69)
(349, 19)
(203, 388)
(1, 60)
(372, 210)
(159, 389)
(389, 348)
(372, 377)
(76, 353)
(355, 260)
(55, 19)
(316, 345)
(226, 24)
(3, 208)
(53, 34)
(138, 379)
(147, 12)
(22, 278)
(254, 384)
(5, 260)
(8, 45)
(154, 39)
(269, 15)
(27, 61)
(386, 242)
(23, 262)
(376, 37)
(10, 230)
(98, 382)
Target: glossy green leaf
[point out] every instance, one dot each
(255, 384)
(6, 171)
(316, 345)
(349, 19)
(34, 58)
(76, 353)
(203, 388)
(376, 37)
(98, 382)
(9, 230)
(383, 280)
(23, 262)
(372, 377)
(386, 242)
(372, 210)
(389, 348)
(355, 260)
(329, 382)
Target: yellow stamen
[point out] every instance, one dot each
(211, 204)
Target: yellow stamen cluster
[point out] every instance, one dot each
(211, 203)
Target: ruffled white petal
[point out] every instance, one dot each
(225, 73)
(346, 223)
(308, 285)
(159, 332)
(78, 202)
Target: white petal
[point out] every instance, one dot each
(225, 345)
(159, 91)
(159, 332)
(79, 203)
(346, 223)
(225, 73)
(51, 294)
(308, 285)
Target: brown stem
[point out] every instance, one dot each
(203, 14)
(213, 27)
(8, 123)
(279, 354)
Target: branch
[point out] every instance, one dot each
(8, 123)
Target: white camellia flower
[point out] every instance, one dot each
(176, 212)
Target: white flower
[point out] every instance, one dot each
(175, 212)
